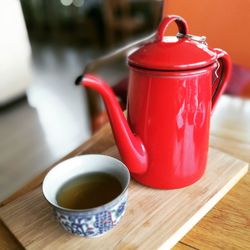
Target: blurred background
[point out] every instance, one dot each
(45, 45)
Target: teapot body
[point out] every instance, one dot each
(174, 84)
(170, 111)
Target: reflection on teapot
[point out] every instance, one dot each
(172, 91)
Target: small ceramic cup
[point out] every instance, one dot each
(87, 222)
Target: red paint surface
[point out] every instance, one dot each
(165, 142)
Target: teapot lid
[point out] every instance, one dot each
(180, 52)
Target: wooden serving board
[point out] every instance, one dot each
(153, 219)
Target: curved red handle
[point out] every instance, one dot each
(181, 23)
(225, 68)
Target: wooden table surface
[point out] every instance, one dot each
(227, 225)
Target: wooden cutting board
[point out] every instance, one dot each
(154, 218)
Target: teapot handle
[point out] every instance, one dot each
(224, 68)
(181, 23)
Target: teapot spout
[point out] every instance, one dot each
(130, 146)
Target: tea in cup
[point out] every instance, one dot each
(88, 193)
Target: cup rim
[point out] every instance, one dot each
(94, 209)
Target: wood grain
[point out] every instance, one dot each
(230, 134)
(227, 225)
(158, 218)
(8, 240)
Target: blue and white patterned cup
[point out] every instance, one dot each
(87, 222)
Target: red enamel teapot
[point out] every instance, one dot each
(174, 84)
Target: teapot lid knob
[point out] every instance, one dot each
(181, 23)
